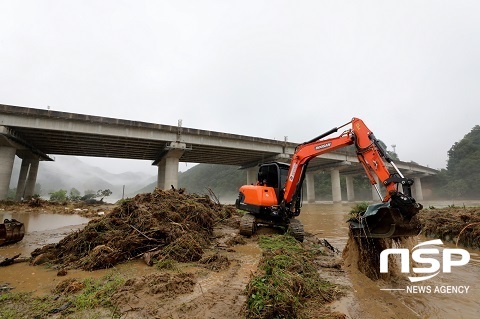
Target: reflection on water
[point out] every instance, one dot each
(41, 222)
(40, 229)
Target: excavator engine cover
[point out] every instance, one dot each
(11, 231)
(253, 197)
(385, 221)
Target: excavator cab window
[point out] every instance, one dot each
(273, 175)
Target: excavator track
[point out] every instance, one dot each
(295, 228)
(248, 226)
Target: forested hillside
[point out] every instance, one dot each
(461, 178)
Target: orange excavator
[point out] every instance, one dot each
(276, 199)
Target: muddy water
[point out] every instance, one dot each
(40, 229)
(329, 221)
(40, 222)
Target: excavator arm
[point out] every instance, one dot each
(270, 203)
(396, 208)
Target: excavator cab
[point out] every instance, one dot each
(11, 231)
(273, 175)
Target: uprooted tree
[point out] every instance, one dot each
(91, 195)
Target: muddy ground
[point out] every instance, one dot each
(212, 286)
(188, 259)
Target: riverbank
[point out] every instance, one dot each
(216, 285)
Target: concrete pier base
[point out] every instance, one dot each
(7, 157)
(32, 178)
(417, 184)
(22, 179)
(310, 187)
(350, 189)
(168, 166)
(336, 187)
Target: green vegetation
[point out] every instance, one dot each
(98, 292)
(286, 282)
(91, 194)
(74, 194)
(61, 195)
(287, 243)
(461, 178)
(358, 208)
(166, 264)
(95, 293)
(464, 165)
(58, 196)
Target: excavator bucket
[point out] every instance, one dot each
(384, 221)
(11, 231)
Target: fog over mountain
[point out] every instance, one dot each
(68, 172)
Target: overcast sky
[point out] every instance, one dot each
(409, 69)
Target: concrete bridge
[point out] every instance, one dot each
(34, 135)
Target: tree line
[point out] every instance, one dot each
(62, 195)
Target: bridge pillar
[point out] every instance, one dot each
(310, 187)
(22, 179)
(417, 184)
(7, 157)
(350, 190)
(31, 178)
(336, 188)
(168, 166)
(252, 175)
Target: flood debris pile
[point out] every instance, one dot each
(287, 282)
(453, 224)
(155, 226)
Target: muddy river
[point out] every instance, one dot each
(329, 221)
(326, 221)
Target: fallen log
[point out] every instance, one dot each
(15, 259)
